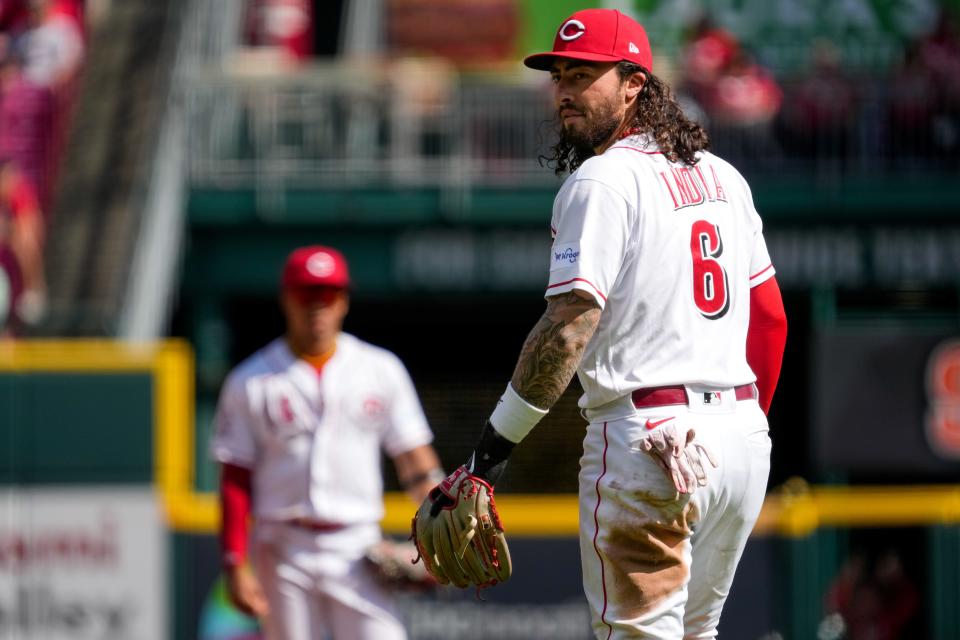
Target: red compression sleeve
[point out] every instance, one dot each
(766, 338)
(235, 493)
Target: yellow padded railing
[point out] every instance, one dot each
(795, 509)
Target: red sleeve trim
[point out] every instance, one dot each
(235, 501)
(560, 284)
(766, 338)
(761, 272)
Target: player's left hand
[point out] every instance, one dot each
(394, 564)
(679, 454)
(244, 591)
(459, 535)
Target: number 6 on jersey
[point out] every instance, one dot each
(709, 278)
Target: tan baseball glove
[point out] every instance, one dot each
(458, 533)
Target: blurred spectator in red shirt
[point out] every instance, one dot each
(941, 54)
(709, 52)
(21, 250)
(53, 47)
(821, 106)
(877, 601)
(37, 90)
(706, 56)
(913, 106)
(740, 98)
(725, 80)
(745, 94)
(27, 126)
(283, 24)
(71, 9)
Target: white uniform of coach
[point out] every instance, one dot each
(310, 431)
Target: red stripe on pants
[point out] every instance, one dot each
(596, 532)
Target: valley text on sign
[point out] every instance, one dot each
(78, 564)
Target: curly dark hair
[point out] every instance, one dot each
(656, 112)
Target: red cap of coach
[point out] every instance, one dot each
(597, 35)
(315, 266)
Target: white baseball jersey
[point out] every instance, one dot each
(313, 440)
(669, 252)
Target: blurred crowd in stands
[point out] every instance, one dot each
(827, 114)
(284, 25)
(905, 116)
(873, 597)
(900, 117)
(42, 47)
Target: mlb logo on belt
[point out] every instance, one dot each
(711, 397)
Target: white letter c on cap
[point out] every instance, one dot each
(571, 36)
(320, 265)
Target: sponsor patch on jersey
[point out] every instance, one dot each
(564, 255)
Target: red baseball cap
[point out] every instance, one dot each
(315, 266)
(597, 35)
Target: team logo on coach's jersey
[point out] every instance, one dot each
(373, 408)
(571, 30)
(367, 409)
(285, 411)
(281, 414)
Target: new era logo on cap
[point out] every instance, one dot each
(597, 35)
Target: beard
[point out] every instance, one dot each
(594, 131)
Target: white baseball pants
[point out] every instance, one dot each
(657, 564)
(316, 593)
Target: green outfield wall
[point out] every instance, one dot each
(96, 414)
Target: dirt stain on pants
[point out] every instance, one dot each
(645, 557)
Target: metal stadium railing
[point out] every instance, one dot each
(338, 125)
(341, 126)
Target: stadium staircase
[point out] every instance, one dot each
(105, 170)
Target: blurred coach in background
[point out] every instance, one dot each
(299, 429)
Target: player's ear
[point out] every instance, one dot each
(344, 301)
(633, 84)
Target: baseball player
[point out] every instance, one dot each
(662, 297)
(299, 428)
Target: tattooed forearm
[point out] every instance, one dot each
(553, 349)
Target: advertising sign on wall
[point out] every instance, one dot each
(885, 402)
(841, 256)
(943, 400)
(78, 564)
